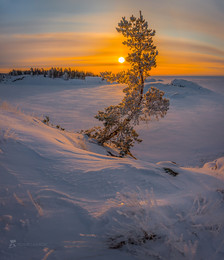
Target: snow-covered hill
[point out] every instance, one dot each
(63, 197)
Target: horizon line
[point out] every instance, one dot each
(173, 75)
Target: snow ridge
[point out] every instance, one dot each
(63, 197)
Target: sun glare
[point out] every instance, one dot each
(121, 59)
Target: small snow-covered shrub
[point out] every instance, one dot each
(131, 238)
(152, 229)
(46, 120)
(171, 172)
(131, 221)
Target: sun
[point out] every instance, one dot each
(121, 59)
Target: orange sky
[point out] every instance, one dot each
(98, 52)
(188, 44)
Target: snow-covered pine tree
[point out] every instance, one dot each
(119, 120)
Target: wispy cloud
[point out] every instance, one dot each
(82, 33)
(60, 49)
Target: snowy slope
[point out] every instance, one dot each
(62, 197)
(191, 133)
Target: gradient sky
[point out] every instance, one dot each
(81, 34)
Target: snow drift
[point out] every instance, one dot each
(63, 197)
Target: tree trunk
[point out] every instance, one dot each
(115, 132)
(141, 83)
(127, 120)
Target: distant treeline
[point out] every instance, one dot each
(66, 73)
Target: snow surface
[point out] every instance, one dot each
(63, 197)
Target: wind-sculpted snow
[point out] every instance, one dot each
(63, 197)
(216, 165)
(180, 88)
